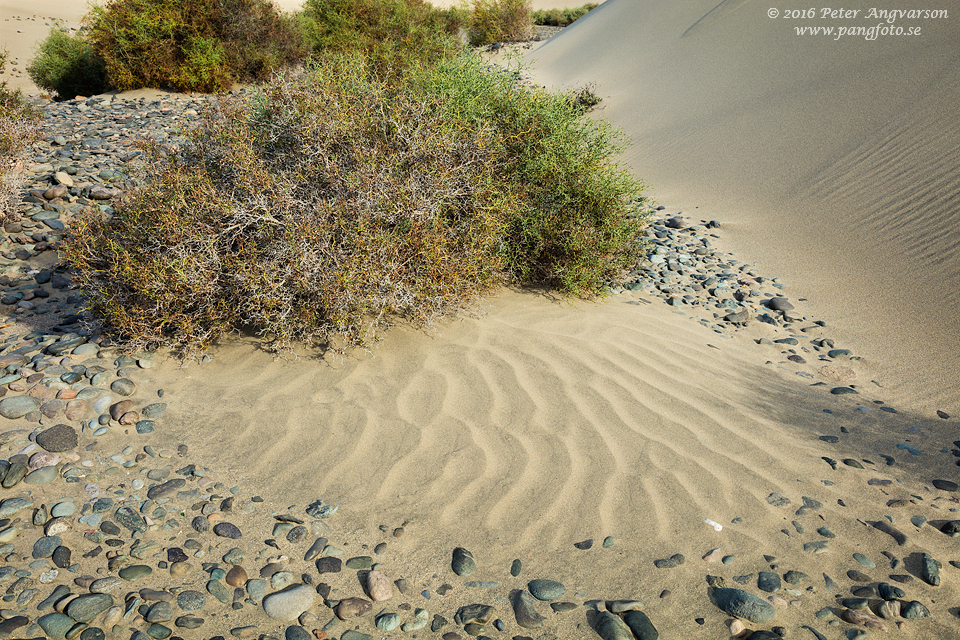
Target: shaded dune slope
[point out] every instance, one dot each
(831, 161)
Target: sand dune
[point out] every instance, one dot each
(828, 160)
(546, 423)
(535, 411)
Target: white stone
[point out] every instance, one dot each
(63, 178)
(288, 605)
(379, 587)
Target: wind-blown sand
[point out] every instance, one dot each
(547, 422)
(830, 163)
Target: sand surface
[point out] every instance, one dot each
(828, 161)
(543, 423)
(546, 423)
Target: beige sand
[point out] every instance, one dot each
(829, 162)
(546, 423)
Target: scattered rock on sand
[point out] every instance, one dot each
(289, 604)
(525, 611)
(740, 604)
(463, 563)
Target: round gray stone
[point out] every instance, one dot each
(611, 627)
(123, 387)
(227, 530)
(63, 509)
(191, 600)
(387, 622)
(43, 475)
(740, 604)
(88, 606)
(641, 626)
(769, 582)
(525, 611)
(135, 572)
(189, 622)
(45, 546)
(295, 632)
(546, 589)
(463, 563)
(18, 406)
(160, 612)
(56, 625)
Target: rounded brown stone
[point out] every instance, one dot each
(353, 608)
(237, 576)
(75, 410)
(120, 408)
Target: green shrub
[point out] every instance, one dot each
(574, 226)
(500, 21)
(391, 33)
(329, 204)
(561, 17)
(68, 66)
(193, 45)
(18, 128)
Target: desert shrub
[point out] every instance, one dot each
(68, 66)
(391, 33)
(18, 128)
(329, 204)
(325, 204)
(500, 21)
(574, 225)
(584, 98)
(192, 45)
(561, 17)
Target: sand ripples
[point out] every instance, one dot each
(538, 423)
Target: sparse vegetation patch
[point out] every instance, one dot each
(329, 204)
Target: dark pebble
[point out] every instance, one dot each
(227, 530)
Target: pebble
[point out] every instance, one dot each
(864, 560)
(191, 600)
(546, 590)
(769, 582)
(85, 608)
(930, 569)
(56, 625)
(622, 606)
(463, 563)
(611, 627)
(135, 572)
(353, 608)
(525, 611)
(227, 530)
(359, 563)
(123, 387)
(914, 610)
(675, 560)
(329, 564)
(740, 604)
(641, 626)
